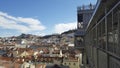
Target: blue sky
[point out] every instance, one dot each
(39, 17)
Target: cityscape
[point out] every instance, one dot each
(86, 37)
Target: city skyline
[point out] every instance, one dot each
(38, 17)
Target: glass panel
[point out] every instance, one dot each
(110, 33)
(103, 35)
(115, 30)
(99, 35)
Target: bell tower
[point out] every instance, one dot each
(84, 14)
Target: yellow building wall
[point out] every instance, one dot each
(71, 64)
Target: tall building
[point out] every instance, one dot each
(84, 14)
(102, 38)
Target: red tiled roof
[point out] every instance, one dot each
(6, 58)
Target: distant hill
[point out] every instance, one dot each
(59, 35)
(23, 35)
(48, 36)
(69, 31)
(27, 36)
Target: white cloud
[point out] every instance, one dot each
(61, 27)
(20, 24)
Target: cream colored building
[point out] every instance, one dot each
(72, 63)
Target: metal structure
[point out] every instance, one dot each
(102, 38)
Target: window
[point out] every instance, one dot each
(110, 33)
(113, 31)
(80, 17)
(103, 35)
(69, 63)
(64, 63)
(74, 64)
(99, 34)
(94, 37)
(80, 25)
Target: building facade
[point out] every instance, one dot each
(102, 39)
